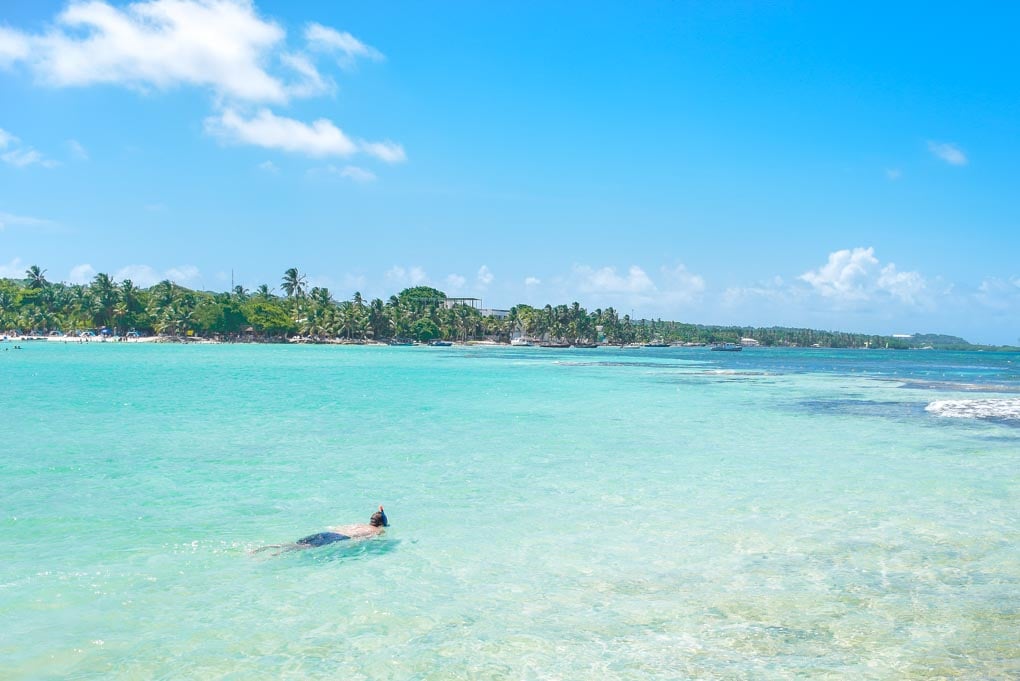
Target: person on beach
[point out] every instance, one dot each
(377, 524)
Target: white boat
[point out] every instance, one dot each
(521, 342)
(728, 347)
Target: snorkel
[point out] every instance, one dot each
(379, 519)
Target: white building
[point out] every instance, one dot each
(492, 312)
(470, 302)
(476, 303)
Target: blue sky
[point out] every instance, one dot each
(812, 164)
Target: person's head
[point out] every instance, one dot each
(378, 519)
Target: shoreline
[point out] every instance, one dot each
(297, 340)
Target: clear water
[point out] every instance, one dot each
(612, 514)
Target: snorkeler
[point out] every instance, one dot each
(376, 526)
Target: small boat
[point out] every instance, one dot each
(632, 346)
(521, 342)
(728, 347)
(585, 346)
(656, 345)
(401, 342)
(554, 345)
(440, 344)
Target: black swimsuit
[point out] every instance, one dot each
(322, 538)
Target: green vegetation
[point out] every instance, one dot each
(35, 306)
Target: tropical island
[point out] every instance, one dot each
(36, 307)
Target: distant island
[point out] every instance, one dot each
(34, 306)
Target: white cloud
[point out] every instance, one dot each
(311, 81)
(145, 276)
(485, 276)
(320, 138)
(77, 150)
(906, 286)
(606, 280)
(532, 281)
(893, 174)
(140, 275)
(219, 44)
(324, 39)
(853, 290)
(81, 274)
(455, 282)
(21, 156)
(11, 220)
(682, 285)
(13, 46)
(1001, 295)
(12, 270)
(269, 167)
(357, 174)
(856, 276)
(948, 152)
(223, 46)
(411, 276)
(183, 274)
(845, 275)
(673, 287)
(27, 156)
(387, 151)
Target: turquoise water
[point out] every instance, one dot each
(612, 514)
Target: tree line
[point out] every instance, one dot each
(36, 306)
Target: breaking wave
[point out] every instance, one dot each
(1004, 409)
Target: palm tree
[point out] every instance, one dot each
(321, 297)
(183, 313)
(378, 321)
(78, 305)
(120, 310)
(36, 278)
(163, 293)
(311, 326)
(161, 302)
(399, 317)
(6, 306)
(466, 318)
(105, 292)
(345, 321)
(294, 283)
(360, 326)
(131, 297)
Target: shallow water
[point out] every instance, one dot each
(619, 514)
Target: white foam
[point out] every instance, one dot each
(976, 409)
